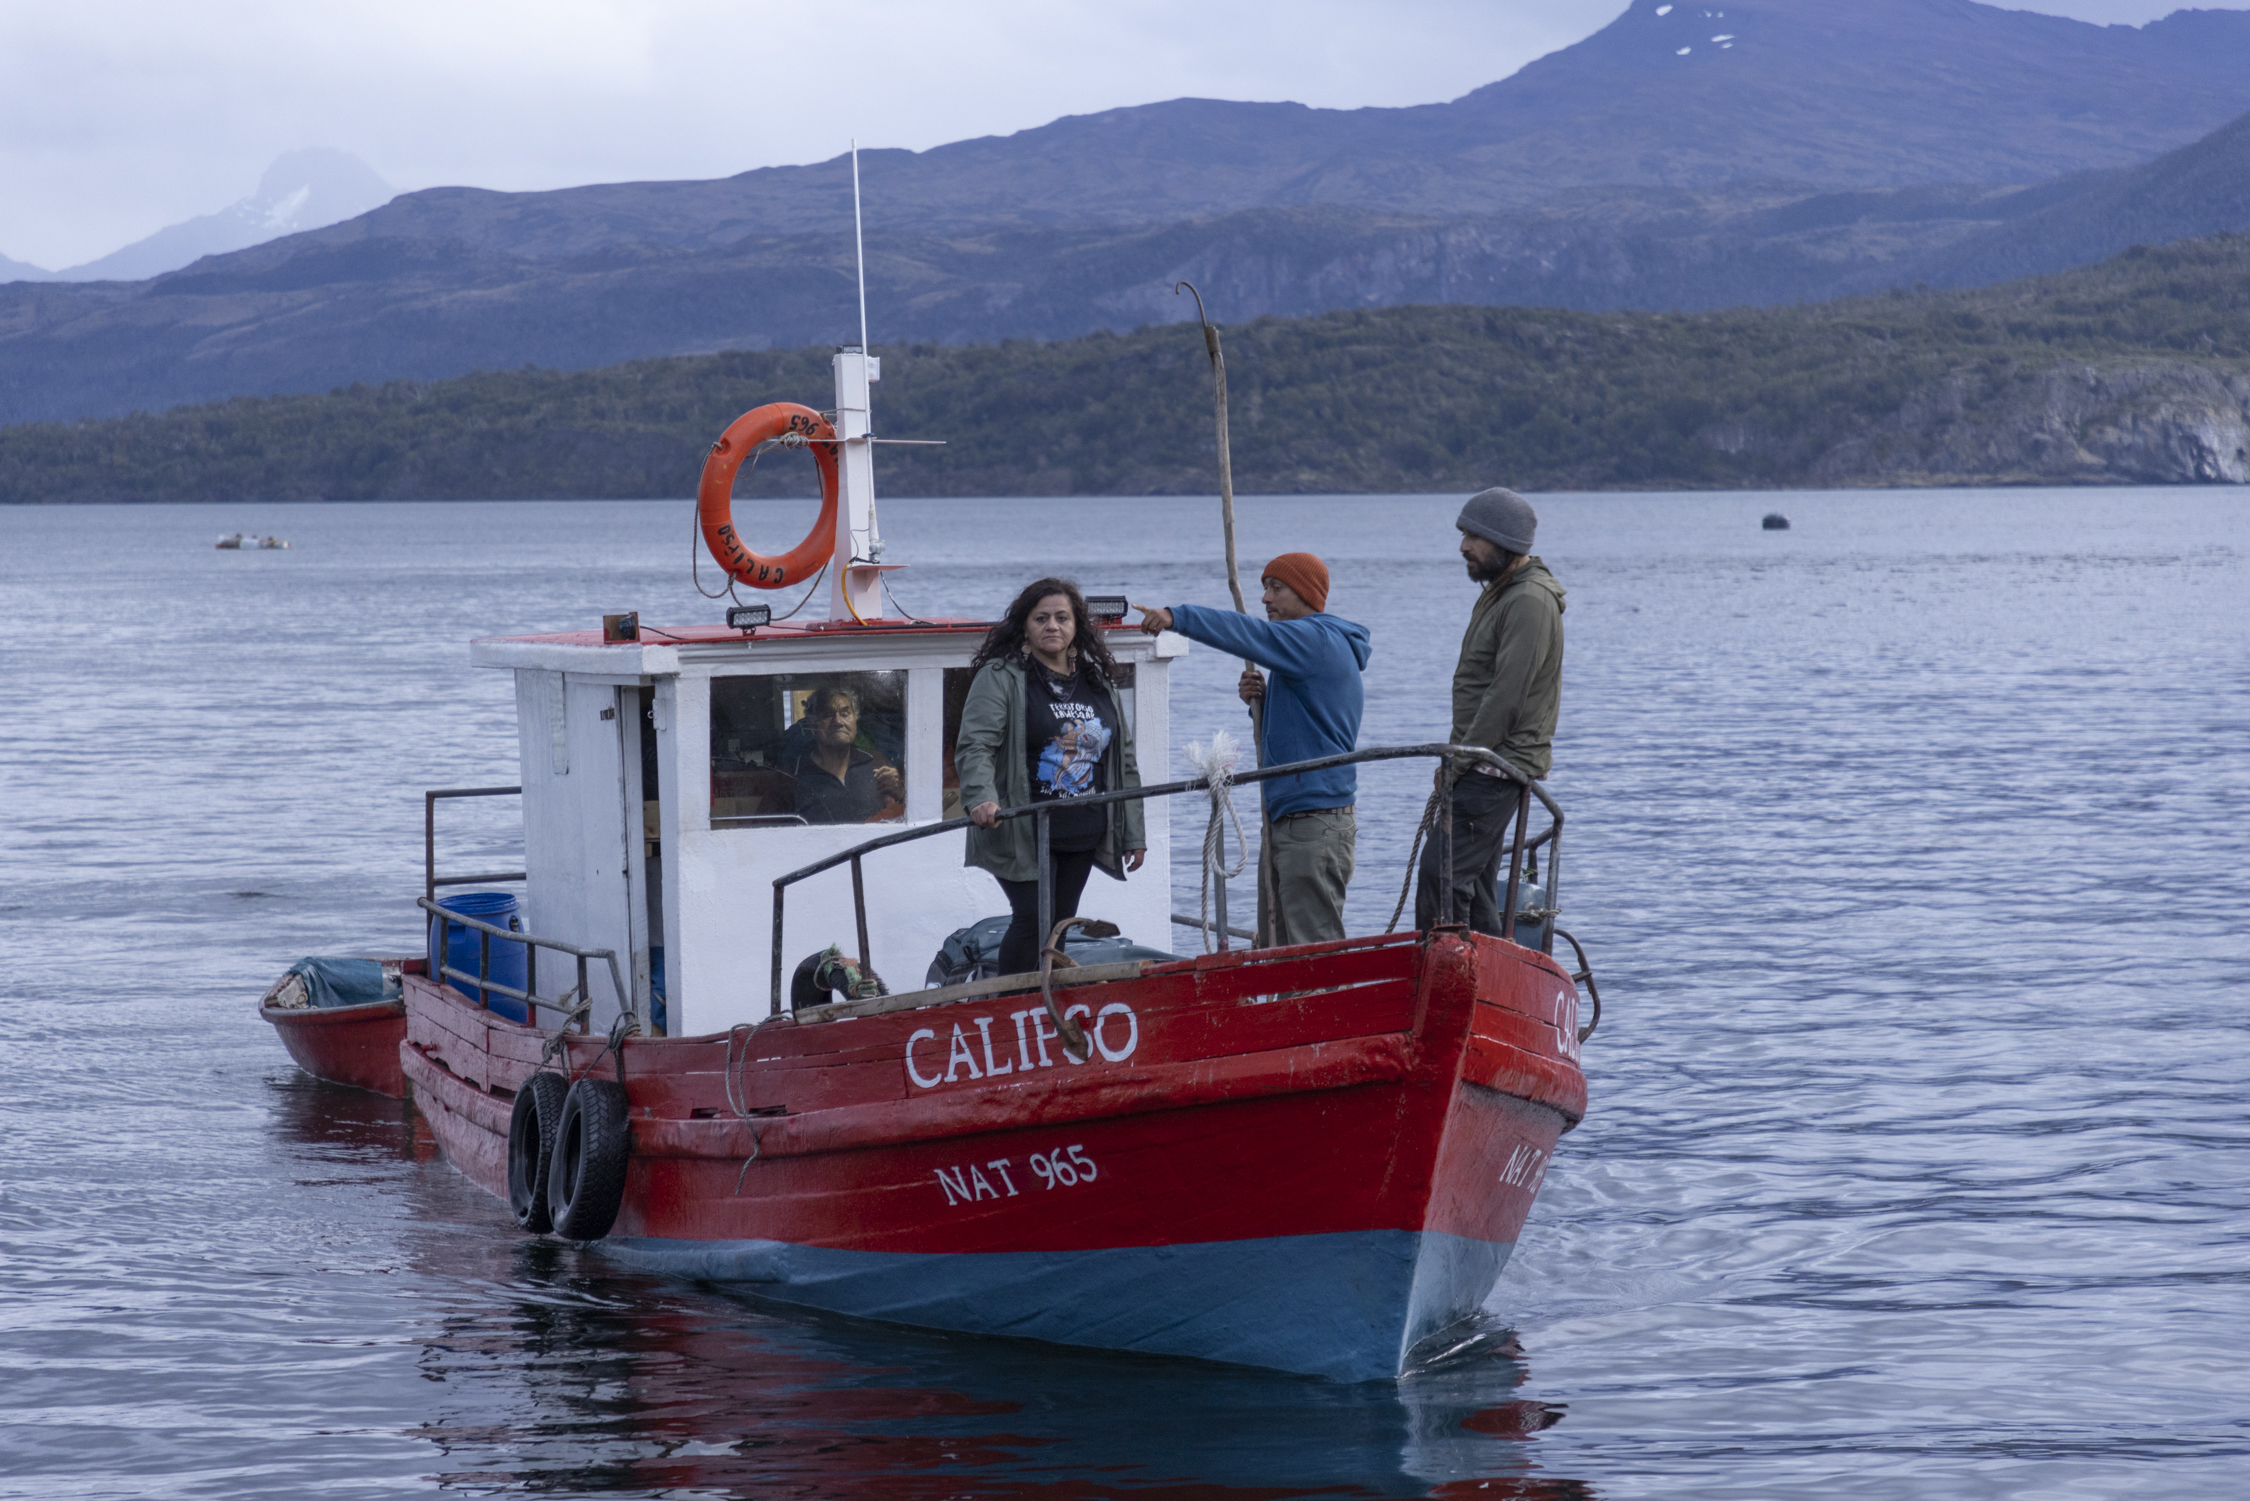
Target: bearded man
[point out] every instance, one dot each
(1507, 693)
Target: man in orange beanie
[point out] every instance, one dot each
(1312, 709)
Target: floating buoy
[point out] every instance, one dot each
(1775, 522)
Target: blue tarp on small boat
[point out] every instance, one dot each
(314, 981)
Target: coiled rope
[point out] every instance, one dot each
(1214, 766)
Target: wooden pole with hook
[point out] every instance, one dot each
(1266, 895)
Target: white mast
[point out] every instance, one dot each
(855, 590)
(859, 246)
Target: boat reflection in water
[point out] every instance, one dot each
(642, 1390)
(329, 1123)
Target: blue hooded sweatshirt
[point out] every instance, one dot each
(1313, 698)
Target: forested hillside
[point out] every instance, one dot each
(2136, 370)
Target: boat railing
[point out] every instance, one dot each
(478, 984)
(481, 982)
(1462, 758)
(431, 880)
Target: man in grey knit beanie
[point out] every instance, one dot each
(1507, 694)
(1501, 517)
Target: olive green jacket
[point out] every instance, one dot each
(1507, 690)
(994, 765)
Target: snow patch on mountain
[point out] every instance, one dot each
(302, 190)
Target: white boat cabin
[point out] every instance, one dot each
(668, 780)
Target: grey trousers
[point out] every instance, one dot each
(1312, 864)
(1483, 809)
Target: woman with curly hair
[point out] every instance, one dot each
(1042, 723)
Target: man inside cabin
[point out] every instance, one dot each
(1507, 692)
(836, 781)
(1312, 709)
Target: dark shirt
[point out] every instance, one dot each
(1064, 764)
(822, 798)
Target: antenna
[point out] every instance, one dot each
(859, 243)
(856, 589)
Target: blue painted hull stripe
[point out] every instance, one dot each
(1347, 1306)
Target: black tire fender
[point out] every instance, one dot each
(531, 1143)
(586, 1170)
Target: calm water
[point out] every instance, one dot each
(1910, 845)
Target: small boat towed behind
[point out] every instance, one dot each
(344, 1019)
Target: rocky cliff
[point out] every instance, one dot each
(2120, 422)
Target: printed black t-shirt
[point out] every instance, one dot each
(1067, 731)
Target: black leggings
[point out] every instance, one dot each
(1019, 949)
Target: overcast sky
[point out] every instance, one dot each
(118, 117)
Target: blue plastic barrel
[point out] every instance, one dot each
(507, 964)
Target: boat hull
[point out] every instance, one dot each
(355, 1045)
(1308, 1159)
(1346, 1305)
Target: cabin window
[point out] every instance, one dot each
(957, 680)
(808, 748)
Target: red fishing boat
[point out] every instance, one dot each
(1309, 1158)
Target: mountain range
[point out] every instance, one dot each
(1683, 157)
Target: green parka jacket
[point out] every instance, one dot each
(1507, 690)
(995, 767)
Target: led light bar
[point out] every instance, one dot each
(749, 617)
(1106, 606)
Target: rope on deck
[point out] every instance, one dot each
(1429, 817)
(1214, 766)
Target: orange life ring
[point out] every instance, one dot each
(714, 497)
